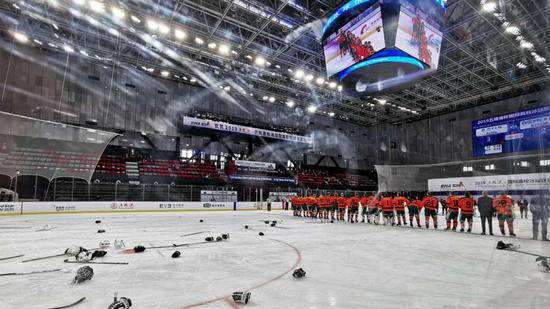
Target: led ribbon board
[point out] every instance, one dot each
(379, 60)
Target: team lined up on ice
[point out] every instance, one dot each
(392, 207)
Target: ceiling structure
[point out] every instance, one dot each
(269, 50)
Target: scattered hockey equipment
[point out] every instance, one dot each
(225, 236)
(97, 221)
(511, 247)
(11, 257)
(241, 297)
(101, 231)
(84, 256)
(31, 272)
(266, 222)
(121, 303)
(98, 253)
(299, 273)
(104, 244)
(119, 243)
(70, 305)
(219, 238)
(542, 264)
(273, 224)
(84, 273)
(176, 254)
(503, 246)
(138, 249)
(261, 234)
(210, 238)
(95, 262)
(74, 250)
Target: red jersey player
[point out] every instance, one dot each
(400, 203)
(466, 205)
(387, 209)
(414, 212)
(365, 200)
(334, 206)
(353, 203)
(452, 211)
(503, 205)
(342, 204)
(429, 203)
(374, 209)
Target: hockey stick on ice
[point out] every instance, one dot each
(185, 235)
(70, 305)
(31, 273)
(95, 262)
(511, 247)
(11, 257)
(44, 257)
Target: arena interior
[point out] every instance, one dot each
(274, 154)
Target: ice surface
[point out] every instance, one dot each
(347, 265)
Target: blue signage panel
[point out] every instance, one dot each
(516, 132)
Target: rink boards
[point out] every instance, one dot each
(23, 208)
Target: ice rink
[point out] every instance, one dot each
(347, 265)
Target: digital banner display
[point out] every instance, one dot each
(357, 40)
(521, 131)
(228, 127)
(262, 178)
(255, 165)
(534, 181)
(418, 35)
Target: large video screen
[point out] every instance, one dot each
(418, 35)
(521, 131)
(358, 39)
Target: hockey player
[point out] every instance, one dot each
(353, 208)
(503, 205)
(297, 206)
(305, 208)
(387, 209)
(466, 205)
(523, 206)
(400, 202)
(429, 203)
(374, 209)
(414, 212)
(365, 201)
(324, 206)
(314, 208)
(334, 207)
(443, 206)
(342, 204)
(452, 211)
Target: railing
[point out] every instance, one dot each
(67, 190)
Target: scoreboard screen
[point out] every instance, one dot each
(527, 130)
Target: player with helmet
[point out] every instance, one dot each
(429, 203)
(466, 205)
